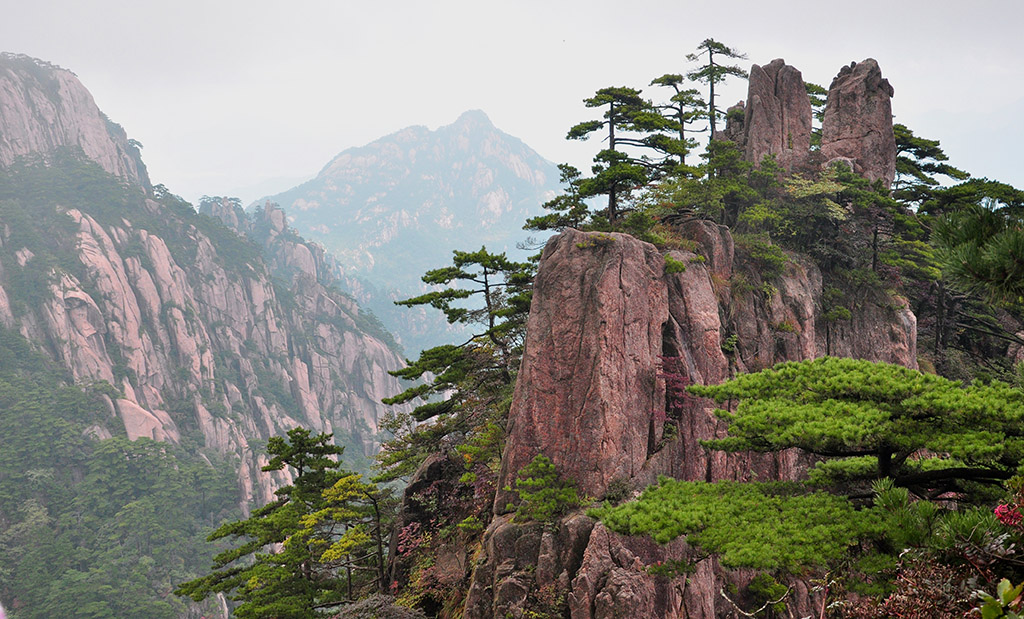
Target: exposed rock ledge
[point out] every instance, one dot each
(590, 398)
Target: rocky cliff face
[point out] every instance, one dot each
(591, 397)
(856, 129)
(858, 122)
(44, 108)
(202, 349)
(605, 313)
(206, 342)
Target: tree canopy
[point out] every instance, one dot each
(713, 72)
(299, 549)
(875, 420)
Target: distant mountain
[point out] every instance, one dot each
(398, 206)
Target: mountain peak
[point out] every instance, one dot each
(44, 108)
(473, 119)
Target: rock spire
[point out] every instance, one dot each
(858, 122)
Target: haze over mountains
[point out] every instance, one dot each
(395, 208)
(142, 344)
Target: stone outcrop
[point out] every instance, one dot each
(858, 122)
(589, 396)
(777, 115)
(207, 337)
(604, 311)
(44, 108)
(856, 130)
(598, 383)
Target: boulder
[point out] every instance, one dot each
(858, 121)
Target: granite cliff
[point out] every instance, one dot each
(209, 338)
(591, 391)
(44, 108)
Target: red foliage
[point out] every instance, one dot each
(677, 400)
(1009, 515)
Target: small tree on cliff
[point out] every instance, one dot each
(469, 381)
(875, 420)
(712, 72)
(684, 108)
(629, 121)
(918, 162)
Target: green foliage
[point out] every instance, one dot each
(784, 527)
(712, 72)
(318, 523)
(766, 589)
(471, 383)
(674, 266)
(918, 161)
(818, 96)
(683, 108)
(543, 495)
(768, 260)
(568, 210)
(930, 434)
(630, 121)
(670, 568)
(82, 521)
(1007, 602)
(980, 240)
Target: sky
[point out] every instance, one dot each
(248, 98)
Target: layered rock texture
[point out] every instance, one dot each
(856, 129)
(858, 122)
(777, 115)
(591, 396)
(206, 342)
(44, 108)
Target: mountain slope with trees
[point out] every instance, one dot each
(150, 353)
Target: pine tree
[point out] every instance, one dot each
(466, 381)
(918, 162)
(629, 121)
(684, 108)
(299, 546)
(712, 72)
(874, 420)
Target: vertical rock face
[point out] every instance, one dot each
(589, 396)
(858, 121)
(588, 382)
(208, 339)
(778, 115)
(605, 312)
(44, 108)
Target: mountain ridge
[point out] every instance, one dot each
(394, 208)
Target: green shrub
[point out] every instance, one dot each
(783, 526)
(673, 266)
(543, 496)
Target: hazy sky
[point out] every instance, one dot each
(226, 95)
